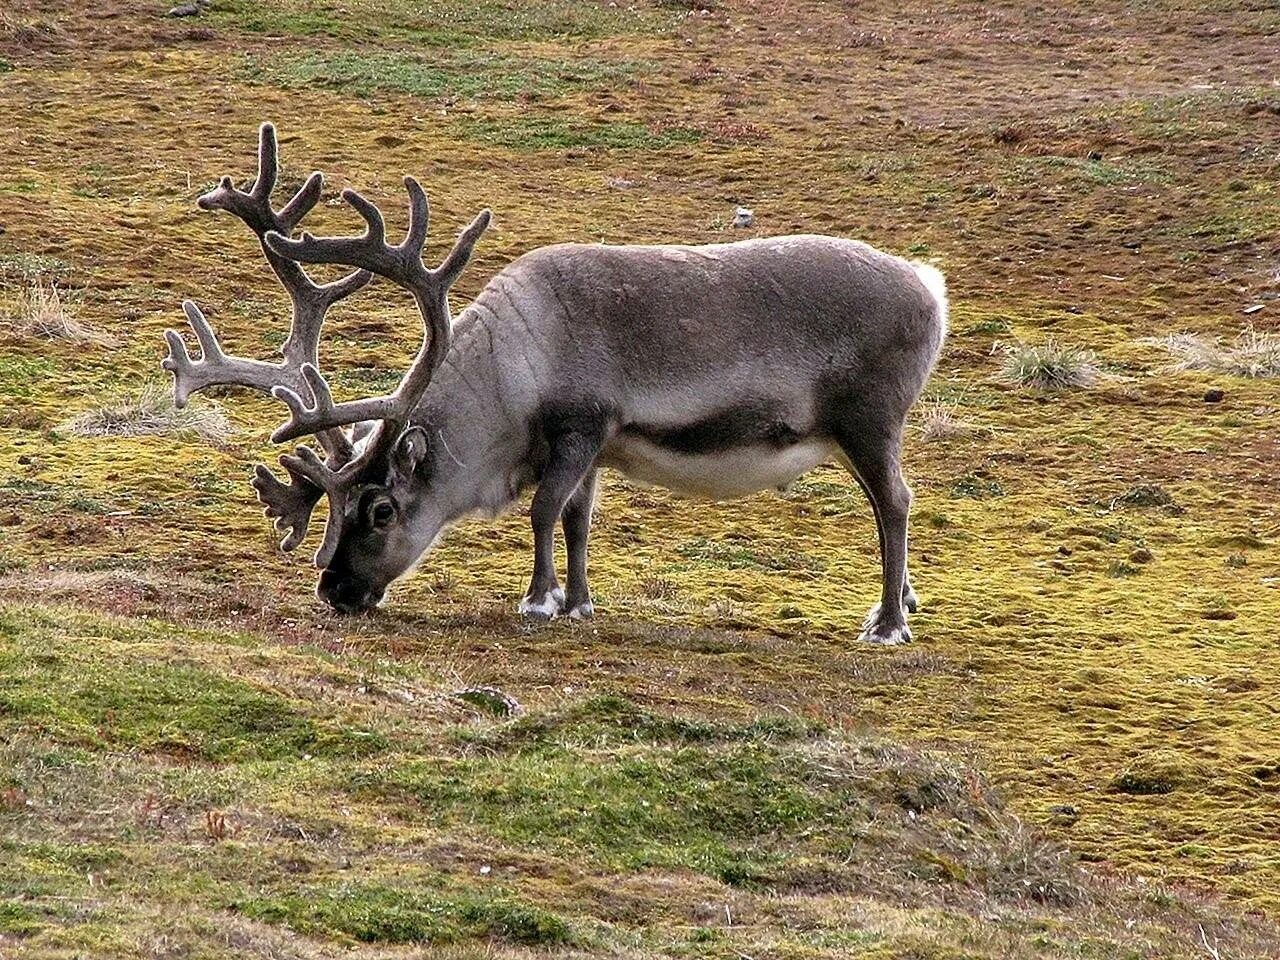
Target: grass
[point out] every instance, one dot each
(200, 760)
(553, 133)
(1049, 366)
(254, 816)
(90, 709)
(40, 311)
(444, 24)
(379, 914)
(1253, 353)
(461, 74)
(133, 703)
(940, 421)
(151, 412)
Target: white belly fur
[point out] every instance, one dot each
(716, 476)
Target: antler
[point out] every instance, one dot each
(290, 505)
(297, 381)
(402, 264)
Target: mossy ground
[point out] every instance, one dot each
(199, 759)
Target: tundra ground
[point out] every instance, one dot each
(1079, 755)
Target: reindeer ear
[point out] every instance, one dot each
(411, 449)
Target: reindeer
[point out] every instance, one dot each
(715, 371)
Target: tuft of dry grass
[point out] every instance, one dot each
(1254, 353)
(151, 412)
(1049, 366)
(42, 312)
(941, 421)
(1026, 865)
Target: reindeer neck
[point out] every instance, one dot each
(480, 431)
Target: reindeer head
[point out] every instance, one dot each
(379, 516)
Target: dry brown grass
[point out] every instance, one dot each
(151, 412)
(42, 311)
(1254, 353)
(941, 421)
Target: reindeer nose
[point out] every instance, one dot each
(346, 594)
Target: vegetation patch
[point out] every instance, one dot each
(1049, 366)
(744, 804)
(133, 702)
(449, 22)
(942, 421)
(1152, 775)
(460, 74)
(736, 556)
(379, 914)
(1254, 353)
(39, 310)
(554, 133)
(152, 412)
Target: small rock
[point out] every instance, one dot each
(490, 700)
(743, 217)
(1252, 309)
(1064, 813)
(1095, 155)
(1214, 395)
(707, 912)
(193, 9)
(1141, 555)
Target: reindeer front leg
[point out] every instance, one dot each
(576, 521)
(572, 457)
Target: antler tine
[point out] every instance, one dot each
(253, 206)
(458, 257)
(268, 163)
(289, 504)
(303, 463)
(308, 195)
(191, 375)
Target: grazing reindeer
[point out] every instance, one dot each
(713, 370)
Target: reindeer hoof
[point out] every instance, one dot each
(883, 634)
(583, 611)
(542, 608)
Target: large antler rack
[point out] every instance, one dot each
(297, 381)
(291, 505)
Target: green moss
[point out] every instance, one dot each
(18, 920)
(131, 701)
(735, 556)
(23, 377)
(457, 74)
(377, 914)
(447, 23)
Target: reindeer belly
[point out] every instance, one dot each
(718, 474)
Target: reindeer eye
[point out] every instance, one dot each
(382, 514)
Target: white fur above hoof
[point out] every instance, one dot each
(911, 601)
(884, 636)
(546, 607)
(583, 611)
